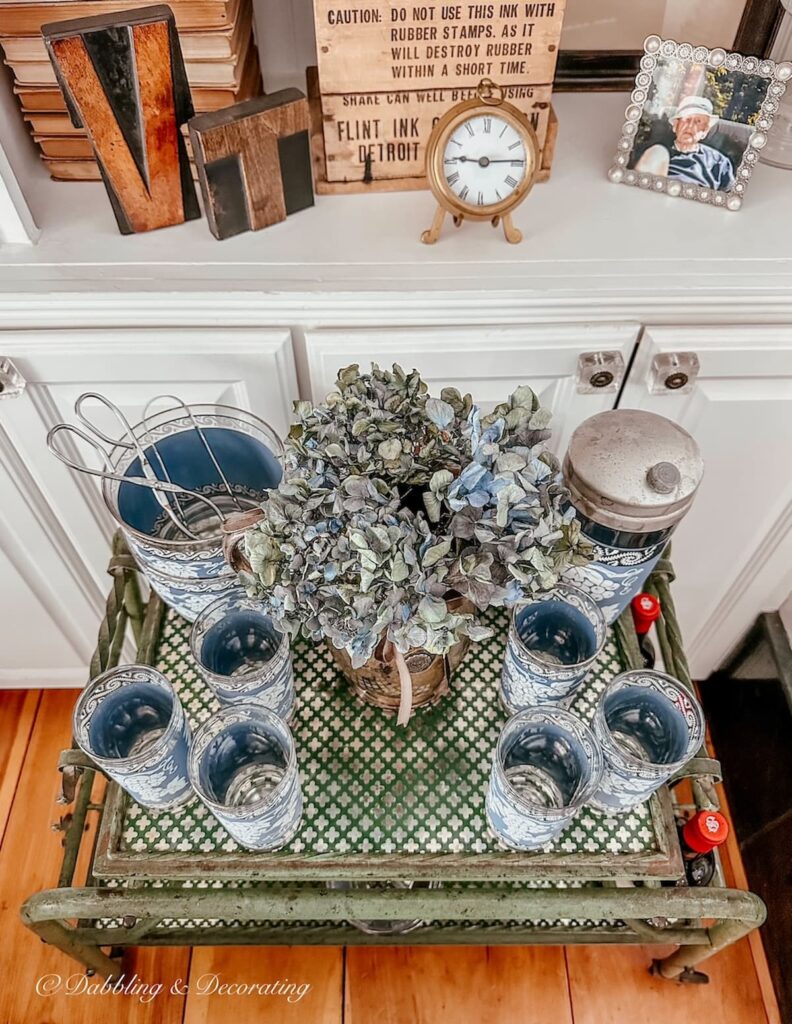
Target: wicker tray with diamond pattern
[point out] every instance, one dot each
(382, 802)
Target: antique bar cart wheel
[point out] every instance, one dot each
(689, 976)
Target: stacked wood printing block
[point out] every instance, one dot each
(216, 38)
(387, 71)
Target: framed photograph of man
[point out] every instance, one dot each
(697, 121)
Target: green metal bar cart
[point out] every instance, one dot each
(381, 803)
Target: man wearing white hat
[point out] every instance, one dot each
(689, 159)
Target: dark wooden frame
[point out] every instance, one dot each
(615, 70)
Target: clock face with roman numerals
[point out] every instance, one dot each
(484, 161)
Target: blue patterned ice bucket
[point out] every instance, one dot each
(187, 573)
(632, 476)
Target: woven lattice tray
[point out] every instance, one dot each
(381, 801)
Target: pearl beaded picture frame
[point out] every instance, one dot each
(697, 121)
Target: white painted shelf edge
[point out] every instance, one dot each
(587, 242)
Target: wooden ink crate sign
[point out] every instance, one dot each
(398, 45)
(389, 70)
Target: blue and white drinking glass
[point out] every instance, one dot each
(554, 639)
(130, 723)
(242, 656)
(649, 726)
(243, 766)
(546, 766)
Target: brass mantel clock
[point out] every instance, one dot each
(481, 162)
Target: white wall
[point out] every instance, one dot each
(609, 24)
(17, 162)
(786, 615)
(286, 41)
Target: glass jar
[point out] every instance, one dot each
(554, 639)
(545, 767)
(632, 476)
(397, 926)
(649, 726)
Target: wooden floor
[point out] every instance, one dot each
(475, 985)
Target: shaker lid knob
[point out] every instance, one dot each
(663, 477)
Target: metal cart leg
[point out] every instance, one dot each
(60, 935)
(678, 966)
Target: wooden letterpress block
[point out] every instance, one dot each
(254, 162)
(123, 79)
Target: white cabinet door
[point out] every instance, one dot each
(241, 367)
(488, 362)
(733, 551)
(48, 614)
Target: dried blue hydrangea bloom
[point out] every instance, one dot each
(391, 500)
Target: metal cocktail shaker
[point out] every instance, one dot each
(632, 476)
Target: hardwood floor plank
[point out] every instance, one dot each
(319, 968)
(29, 861)
(17, 713)
(466, 985)
(735, 876)
(734, 873)
(611, 985)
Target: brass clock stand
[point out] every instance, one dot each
(430, 236)
(490, 104)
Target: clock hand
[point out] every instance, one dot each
(482, 161)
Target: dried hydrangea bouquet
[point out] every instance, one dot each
(398, 518)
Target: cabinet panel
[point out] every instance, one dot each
(488, 362)
(246, 368)
(48, 617)
(733, 551)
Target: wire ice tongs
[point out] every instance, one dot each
(155, 477)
